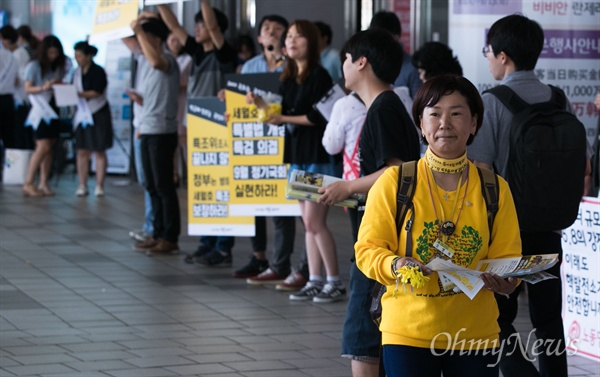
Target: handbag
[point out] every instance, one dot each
(16, 162)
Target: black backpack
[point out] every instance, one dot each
(546, 163)
(407, 182)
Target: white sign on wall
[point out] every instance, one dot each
(570, 58)
(580, 272)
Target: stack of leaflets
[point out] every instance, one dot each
(304, 185)
(529, 268)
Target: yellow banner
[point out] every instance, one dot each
(112, 19)
(259, 174)
(210, 175)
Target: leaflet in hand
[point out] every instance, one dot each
(305, 186)
(528, 268)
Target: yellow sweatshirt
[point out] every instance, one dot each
(430, 317)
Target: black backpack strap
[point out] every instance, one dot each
(509, 98)
(489, 189)
(407, 180)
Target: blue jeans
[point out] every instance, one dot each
(148, 226)
(219, 243)
(361, 338)
(326, 168)
(404, 361)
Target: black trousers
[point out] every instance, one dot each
(7, 117)
(283, 245)
(545, 307)
(157, 162)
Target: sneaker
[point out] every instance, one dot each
(266, 277)
(82, 191)
(293, 282)
(253, 268)
(99, 191)
(139, 235)
(330, 293)
(165, 247)
(147, 244)
(198, 254)
(310, 290)
(214, 259)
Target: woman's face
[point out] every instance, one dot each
(448, 124)
(173, 44)
(52, 54)
(296, 44)
(81, 58)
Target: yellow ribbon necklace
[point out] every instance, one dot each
(443, 165)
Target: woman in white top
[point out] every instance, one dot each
(41, 74)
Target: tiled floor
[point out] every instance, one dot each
(75, 300)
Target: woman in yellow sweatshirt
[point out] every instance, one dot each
(434, 329)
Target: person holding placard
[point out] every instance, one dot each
(303, 83)
(90, 82)
(212, 58)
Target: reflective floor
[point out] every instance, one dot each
(75, 300)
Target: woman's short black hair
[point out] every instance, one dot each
(433, 90)
(436, 59)
(84, 47)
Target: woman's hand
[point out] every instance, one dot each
(250, 98)
(47, 85)
(498, 284)
(275, 119)
(412, 262)
(221, 95)
(334, 193)
(135, 97)
(136, 25)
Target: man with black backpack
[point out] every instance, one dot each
(531, 138)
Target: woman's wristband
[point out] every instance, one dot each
(394, 266)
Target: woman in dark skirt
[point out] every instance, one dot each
(40, 75)
(90, 81)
